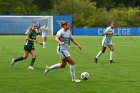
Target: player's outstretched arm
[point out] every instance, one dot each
(38, 42)
(28, 38)
(76, 43)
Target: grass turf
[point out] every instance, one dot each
(120, 77)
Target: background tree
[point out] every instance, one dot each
(18, 7)
(85, 13)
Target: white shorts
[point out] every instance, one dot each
(106, 43)
(44, 34)
(63, 53)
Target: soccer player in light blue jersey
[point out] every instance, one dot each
(63, 37)
(107, 42)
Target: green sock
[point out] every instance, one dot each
(19, 59)
(32, 62)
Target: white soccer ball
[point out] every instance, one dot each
(84, 75)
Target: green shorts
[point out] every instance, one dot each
(28, 48)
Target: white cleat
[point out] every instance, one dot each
(13, 62)
(46, 70)
(76, 80)
(30, 68)
(44, 46)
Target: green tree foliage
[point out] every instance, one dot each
(17, 7)
(81, 10)
(86, 13)
(44, 5)
(109, 4)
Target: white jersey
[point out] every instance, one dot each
(44, 30)
(64, 37)
(107, 39)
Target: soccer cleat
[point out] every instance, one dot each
(46, 70)
(30, 68)
(111, 61)
(13, 62)
(95, 59)
(76, 80)
(44, 45)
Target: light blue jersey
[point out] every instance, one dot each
(107, 39)
(65, 36)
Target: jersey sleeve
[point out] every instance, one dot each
(47, 29)
(108, 29)
(29, 34)
(58, 33)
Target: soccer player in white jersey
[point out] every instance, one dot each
(44, 29)
(63, 37)
(107, 42)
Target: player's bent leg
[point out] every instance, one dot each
(17, 59)
(55, 66)
(99, 54)
(63, 63)
(103, 49)
(25, 55)
(70, 60)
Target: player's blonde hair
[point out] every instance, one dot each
(62, 23)
(112, 22)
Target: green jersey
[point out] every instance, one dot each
(32, 35)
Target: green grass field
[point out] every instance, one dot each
(120, 77)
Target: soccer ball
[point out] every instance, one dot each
(84, 75)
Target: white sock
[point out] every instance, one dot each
(111, 55)
(44, 44)
(72, 72)
(99, 54)
(54, 66)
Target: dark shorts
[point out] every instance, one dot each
(28, 48)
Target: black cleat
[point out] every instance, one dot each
(95, 59)
(111, 61)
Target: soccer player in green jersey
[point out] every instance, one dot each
(29, 47)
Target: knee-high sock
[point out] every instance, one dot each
(99, 54)
(19, 59)
(54, 66)
(32, 62)
(72, 72)
(44, 44)
(111, 55)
